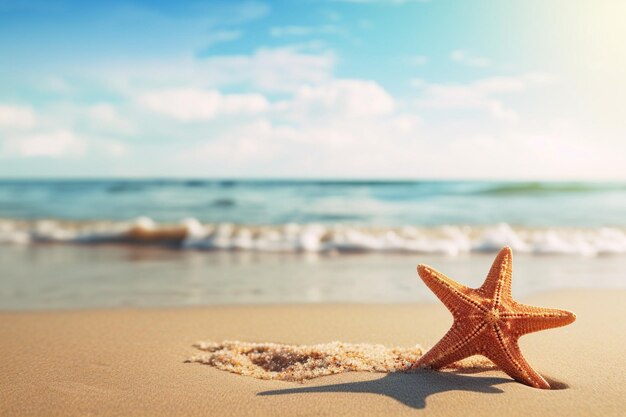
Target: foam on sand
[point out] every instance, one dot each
(301, 362)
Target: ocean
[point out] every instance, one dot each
(152, 243)
(365, 203)
(450, 217)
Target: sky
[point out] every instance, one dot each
(440, 89)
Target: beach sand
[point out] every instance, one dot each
(132, 362)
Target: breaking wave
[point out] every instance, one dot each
(295, 238)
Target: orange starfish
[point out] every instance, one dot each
(488, 322)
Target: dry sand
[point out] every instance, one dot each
(132, 362)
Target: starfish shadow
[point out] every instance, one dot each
(411, 389)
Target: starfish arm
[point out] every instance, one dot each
(506, 354)
(528, 319)
(497, 286)
(454, 346)
(450, 292)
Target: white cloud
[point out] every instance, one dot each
(256, 141)
(111, 147)
(291, 31)
(479, 94)
(419, 60)
(339, 99)
(48, 144)
(463, 97)
(216, 38)
(385, 148)
(106, 117)
(103, 112)
(285, 31)
(558, 150)
(222, 36)
(54, 85)
(63, 131)
(236, 13)
(347, 147)
(21, 117)
(466, 57)
(335, 128)
(189, 104)
(417, 82)
(280, 69)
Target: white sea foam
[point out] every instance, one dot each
(448, 240)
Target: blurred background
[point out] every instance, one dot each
(159, 153)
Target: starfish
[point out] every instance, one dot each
(488, 322)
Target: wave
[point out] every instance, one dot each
(546, 188)
(295, 238)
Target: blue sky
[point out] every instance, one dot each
(361, 89)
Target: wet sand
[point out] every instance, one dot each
(49, 277)
(132, 362)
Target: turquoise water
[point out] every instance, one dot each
(368, 203)
(71, 276)
(108, 243)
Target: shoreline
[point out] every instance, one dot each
(131, 362)
(448, 239)
(69, 277)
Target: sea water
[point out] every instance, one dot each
(373, 203)
(147, 243)
(452, 218)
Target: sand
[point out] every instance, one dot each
(132, 362)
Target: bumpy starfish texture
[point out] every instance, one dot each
(488, 322)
